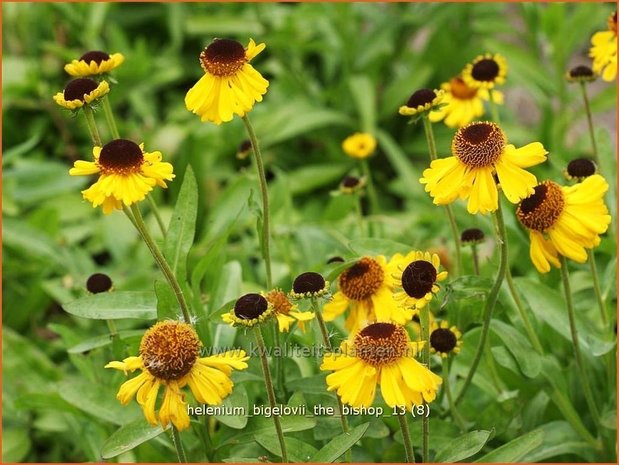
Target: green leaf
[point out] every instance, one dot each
(378, 247)
(311, 177)
(128, 437)
(167, 305)
(516, 449)
(15, 444)
(560, 439)
(401, 164)
(298, 451)
(364, 96)
(104, 341)
(238, 398)
(182, 228)
(335, 448)
(258, 426)
(463, 447)
(115, 305)
(528, 360)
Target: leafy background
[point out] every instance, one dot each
(334, 69)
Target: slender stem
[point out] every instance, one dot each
(494, 374)
(450, 400)
(329, 347)
(494, 110)
(491, 300)
(279, 365)
(365, 169)
(92, 125)
(475, 259)
(524, 316)
(585, 99)
(178, 445)
(112, 327)
(109, 117)
(596, 287)
(359, 213)
(269, 387)
(424, 319)
(266, 235)
(580, 366)
(155, 210)
(161, 261)
(427, 127)
(406, 437)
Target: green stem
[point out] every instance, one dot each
(491, 300)
(269, 387)
(178, 445)
(359, 214)
(450, 400)
(427, 126)
(532, 335)
(596, 287)
(155, 210)
(161, 261)
(424, 319)
(494, 110)
(475, 259)
(109, 117)
(494, 374)
(406, 438)
(266, 236)
(92, 125)
(280, 382)
(112, 327)
(580, 366)
(585, 99)
(373, 196)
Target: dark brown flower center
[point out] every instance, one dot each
(472, 235)
(541, 210)
(443, 340)
(418, 278)
(485, 69)
(581, 168)
(98, 283)
(170, 349)
(121, 156)
(478, 144)
(308, 282)
(460, 90)
(381, 344)
(95, 55)
(250, 306)
(350, 182)
(581, 72)
(77, 88)
(421, 97)
(223, 57)
(361, 280)
(335, 259)
(279, 301)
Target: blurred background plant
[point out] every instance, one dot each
(334, 69)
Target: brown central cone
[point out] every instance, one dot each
(541, 210)
(308, 282)
(418, 278)
(361, 280)
(250, 306)
(485, 70)
(460, 90)
(421, 97)
(77, 88)
(478, 144)
(279, 301)
(121, 156)
(381, 343)
(95, 55)
(223, 57)
(170, 349)
(443, 340)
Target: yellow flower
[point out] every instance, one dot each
(564, 220)
(249, 310)
(93, 63)
(422, 100)
(170, 357)
(286, 312)
(80, 92)
(461, 103)
(367, 289)
(309, 285)
(359, 145)
(126, 174)
(418, 277)
(444, 339)
(380, 353)
(604, 50)
(485, 71)
(352, 185)
(580, 74)
(579, 169)
(480, 151)
(230, 84)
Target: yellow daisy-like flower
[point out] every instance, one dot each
(462, 104)
(564, 220)
(93, 63)
(80, 92)
(380, 354)
(579, 169)
(352, 185)
(444, 340)
(418, 279)
(286, 312)
(604, 50)
(422, 100)
(367, 288)
(230, 84)
(480, 151)
(249, 310)
(359, 145)
(127, 174)
(580, 74)
(170, 358)
(486, 71)
(309, 285)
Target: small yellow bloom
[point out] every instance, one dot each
(564, 220)
(230, 84)
(359, 145)
(286, 312)
(380, 354)
(486, 71)
(418, 277)
(604, 50)
(80, 92)
(249, 310)
(580, 74)
(93, 63)
(170, 357)
(444, 339)
(422, 100)
(126, 174)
